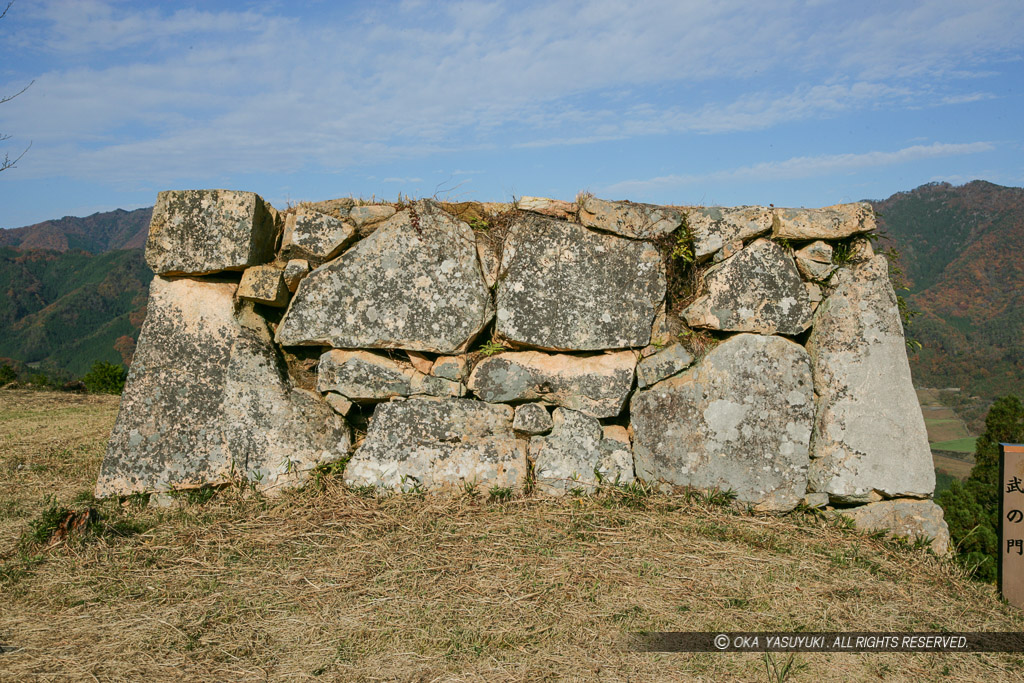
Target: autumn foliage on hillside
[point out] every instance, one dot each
(959, 248)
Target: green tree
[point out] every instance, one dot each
(7, 374)
(105, 378)
(972, 507)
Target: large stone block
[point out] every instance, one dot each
(595, 385)
(577, 456)
(315, 237)
(740, 420)
(716, 227)
(910, 519)
(829, 223)
(757, 290)
(869, 434)
(197, 232)
(637, 221)
(563, 287)
(438, 444)
(206, 401)
(414, 284)
(364, 376)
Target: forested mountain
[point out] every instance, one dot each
(961, 251)
(96, 234)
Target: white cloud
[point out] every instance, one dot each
(184, 92)
(803, 167)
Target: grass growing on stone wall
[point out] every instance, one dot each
(334, 584)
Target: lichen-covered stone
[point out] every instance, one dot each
(414, 284)
(665, 363)
(294, 271)
(815, 261)
(454, 368)
(264, 285)
(437, 444)
(910, 519)
(488, 249)
(757, 290)
(869, 434)
(369, 214)
(741, 420)
(363, 375)
(197, 232)
(595, 385)
(576, 456)
(637, 221)
(829, 223)
(338, 403)
(554, 208)
(563, 287)
(532, 419)
(717, 227)
(435, 386)
(205, 401)
(314, 236)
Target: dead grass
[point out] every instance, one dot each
(326, 584)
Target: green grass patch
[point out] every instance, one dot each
(965, 445)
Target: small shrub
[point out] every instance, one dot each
(7, 374)
(105, 378)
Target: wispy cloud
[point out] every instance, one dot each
(165, 93)
(802, 167)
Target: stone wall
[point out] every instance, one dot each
(546, 345)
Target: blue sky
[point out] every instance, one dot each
(791, 103)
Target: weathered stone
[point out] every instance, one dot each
(454, 368)
(315, 237)
(364, 376)
(264, 285)
(294, 271)
(420, 362)
(206, 401)
(637, 221)
(338, 403)
(861, 250)
(910, 519)
(197, 232)
(715, 227)
(665, 363)
(576, 456)
(435, 386)
(757, 290)
(413, 285)
(437, 444)
(869, 433)
(595, 385)
(729, 249)
(338, 208)
(563, 287)
(740, 420)
(488, 249)
(372, 213)
(554, 208)
(815, 500)
(815, 261)
(532, 418)
(829, 223)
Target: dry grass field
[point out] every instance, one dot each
(328, 584)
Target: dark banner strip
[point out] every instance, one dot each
(769, 641)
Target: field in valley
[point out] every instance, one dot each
(328, 584)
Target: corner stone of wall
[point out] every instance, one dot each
(549, 343)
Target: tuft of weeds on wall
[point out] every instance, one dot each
(491, 347)
(682, 272)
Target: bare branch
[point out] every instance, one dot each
(9, 163)
(8, 98)
(4, 13)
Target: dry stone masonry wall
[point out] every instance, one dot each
(550, 345)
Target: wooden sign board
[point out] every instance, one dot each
(1011, 523)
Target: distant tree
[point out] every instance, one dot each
(7, 374)
(972, 507)
(7, 161)
(105, 378)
